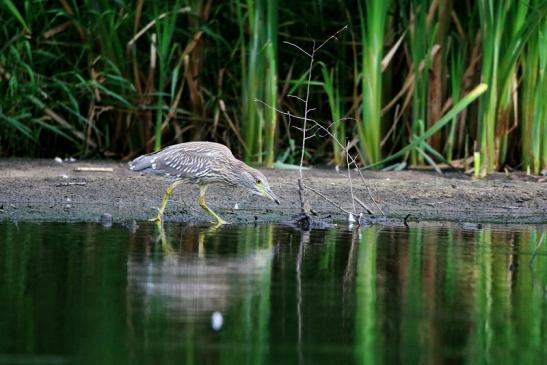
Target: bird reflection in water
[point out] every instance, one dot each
(198, 276)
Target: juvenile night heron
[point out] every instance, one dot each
(202, 163)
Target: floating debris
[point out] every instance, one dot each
(217, 321)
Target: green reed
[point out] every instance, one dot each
(534, 109)
(506, 27)
(420, 39)
(259, 73)
(334, 97)
(372, 21)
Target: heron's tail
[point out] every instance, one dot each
(142, 163)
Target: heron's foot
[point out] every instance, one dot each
(158, 219)
(218, 221)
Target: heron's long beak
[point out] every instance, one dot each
(268, 193)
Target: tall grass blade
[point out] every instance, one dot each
(461, 105)
(372, 23)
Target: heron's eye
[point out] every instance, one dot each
(258, 181)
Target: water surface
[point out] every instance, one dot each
(88, 294)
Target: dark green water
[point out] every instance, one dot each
(86, 294)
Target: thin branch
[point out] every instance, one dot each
(306, 112)
(350, 181)
(316, 125)
(363, 205)
(326, 198)
(282, 112)
(329, 133)
(368, 189)
(296, 97)
(331, 37)
(299, 48)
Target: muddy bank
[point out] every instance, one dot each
(44, 190)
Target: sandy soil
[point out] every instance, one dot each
(45, 190)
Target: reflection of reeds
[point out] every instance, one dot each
(367, 328)
(425, 295)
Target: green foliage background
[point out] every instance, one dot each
(98, 78)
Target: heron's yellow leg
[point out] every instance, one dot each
(159, 217)
(202, 190)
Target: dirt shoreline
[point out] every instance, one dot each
(44, 190)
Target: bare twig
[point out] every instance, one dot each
(365, 207)
(326, 198)
(304, 205)
(282, 112)
(331, 37)
(296, 97)
(306, 111)
(405, 221)
(368, 189)
(310, 132)
(298, 47)
(350, 181)
(329, 133)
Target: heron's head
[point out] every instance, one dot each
(256, 182)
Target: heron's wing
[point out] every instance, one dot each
(192, 160)
(210, 149)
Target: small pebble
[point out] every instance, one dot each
(351, 219)
(217, 321)
(236, 206)
(106, 219)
